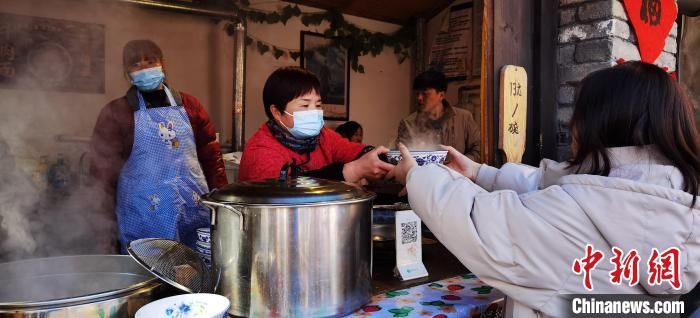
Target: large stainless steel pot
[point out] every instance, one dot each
(294, 248)
(76, 286)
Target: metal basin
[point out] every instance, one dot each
(76, 286)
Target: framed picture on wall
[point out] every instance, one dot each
(330, 64)
(51, 54)
(469, 98)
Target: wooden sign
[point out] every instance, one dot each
(512, 112)
(652, 21)
(452, 51)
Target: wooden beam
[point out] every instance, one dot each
(438, 8)
(488, 140)
(394, 11)
(347, 8)
(545, 78)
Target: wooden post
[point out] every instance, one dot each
(487, 85)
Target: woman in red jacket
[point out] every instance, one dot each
(155, 152)
(294, 135)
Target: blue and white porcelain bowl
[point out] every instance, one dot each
(186, 306)
(204, 234)
(423, 157)
(203, 248)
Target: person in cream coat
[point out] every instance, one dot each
(632, 184)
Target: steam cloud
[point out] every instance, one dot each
(41, 223)
(35, 219)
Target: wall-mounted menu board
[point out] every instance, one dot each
(452, 50)
(51, 54)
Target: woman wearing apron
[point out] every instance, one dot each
(155, 154)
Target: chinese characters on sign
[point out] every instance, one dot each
(516, 89)
(513, 128)
(661, 266)
(651, 12)
(513, 112)
(51, 54)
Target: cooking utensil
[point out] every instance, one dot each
(174, 263)
(76, 286)
(296, 247)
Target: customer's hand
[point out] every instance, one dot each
(400, 172)
(461, 163)
(369, 166)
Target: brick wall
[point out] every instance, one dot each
(594, 34)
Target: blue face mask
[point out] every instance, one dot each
(148, 79)
(307, 123)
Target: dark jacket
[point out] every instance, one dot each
(113, 139)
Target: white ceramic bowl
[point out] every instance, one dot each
(186, 306)
(423, 157)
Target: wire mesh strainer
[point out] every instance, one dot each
(173, 262)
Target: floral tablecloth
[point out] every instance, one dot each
(461, 296)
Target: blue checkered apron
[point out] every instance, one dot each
(159, 188)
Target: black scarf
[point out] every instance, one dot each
(288, 140)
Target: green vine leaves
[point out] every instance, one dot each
(357, 41)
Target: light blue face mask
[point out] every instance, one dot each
(148, 79)
(307, 123)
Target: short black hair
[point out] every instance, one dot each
(348, 129)
(430, 79)
(286, 84)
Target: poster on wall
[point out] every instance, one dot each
(451, 51)
(330, 64)
(51, 54)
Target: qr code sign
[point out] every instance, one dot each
(409, 232)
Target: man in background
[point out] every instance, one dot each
(436, 122)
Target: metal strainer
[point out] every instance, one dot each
(173, 262)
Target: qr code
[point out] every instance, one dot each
(409, 232)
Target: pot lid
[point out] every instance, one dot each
(301, 190)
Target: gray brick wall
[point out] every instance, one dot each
(594, 34)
